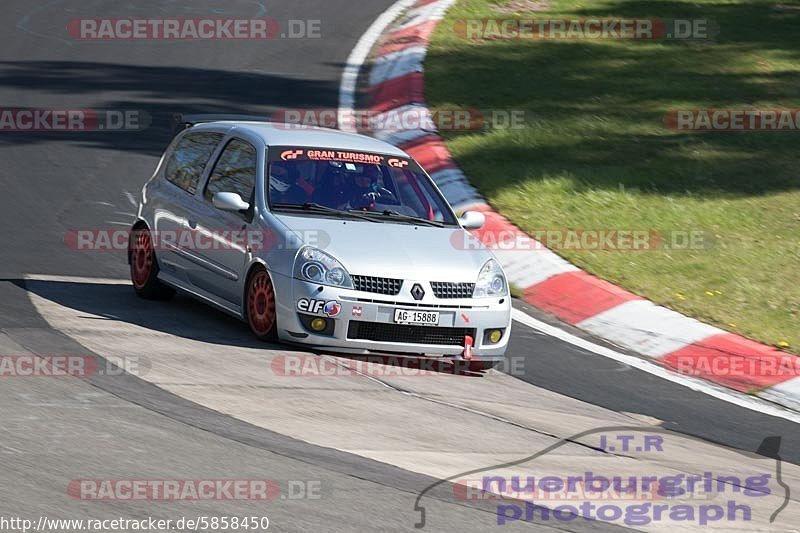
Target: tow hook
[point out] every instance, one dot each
(467, 347)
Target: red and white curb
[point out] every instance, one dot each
(399, 41)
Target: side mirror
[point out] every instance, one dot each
(472, 220)
(229, 201)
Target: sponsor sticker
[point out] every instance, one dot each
(305, 153)
(288, 155)
(330, 308)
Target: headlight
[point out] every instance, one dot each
(312, 264)
(491, 281)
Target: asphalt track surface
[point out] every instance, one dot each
(56, 430)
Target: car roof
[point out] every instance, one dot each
(279, 134)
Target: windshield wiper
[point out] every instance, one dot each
(400, 216)
(318, 208)
(372, 216)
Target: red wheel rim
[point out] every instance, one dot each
(141, 259)
(261, 304)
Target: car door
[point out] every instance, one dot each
(222, 236)
(176, 194)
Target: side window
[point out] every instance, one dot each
(189, 159)
(235, 171)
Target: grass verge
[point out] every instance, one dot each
(594, 152)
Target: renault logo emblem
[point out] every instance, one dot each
(417, 292)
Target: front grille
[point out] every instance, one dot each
(382, 332)
(378, 285)
(416, 304)
(447, 289)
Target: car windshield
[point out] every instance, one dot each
(331, 182)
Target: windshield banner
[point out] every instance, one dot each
(305, 153)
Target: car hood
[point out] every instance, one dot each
(394, 250)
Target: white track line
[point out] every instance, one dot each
(347, 88)
(705, 387)
(77, 279)
(347, 92)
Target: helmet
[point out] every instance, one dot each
(371, 172)
(279, 180)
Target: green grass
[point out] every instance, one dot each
(594, 152)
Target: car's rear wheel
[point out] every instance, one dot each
(260, 305)
(144, 267)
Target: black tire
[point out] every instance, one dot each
(144, 267)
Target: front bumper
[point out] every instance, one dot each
(365, 324)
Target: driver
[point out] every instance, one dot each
(365, 190)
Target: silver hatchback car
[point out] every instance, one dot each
(314, 236)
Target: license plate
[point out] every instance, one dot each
(419, 318)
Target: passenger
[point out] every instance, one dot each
(283, 189)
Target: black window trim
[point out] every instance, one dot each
(203, 175)
(210, 172)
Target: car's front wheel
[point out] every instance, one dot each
(260, 305)
(144, 267)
